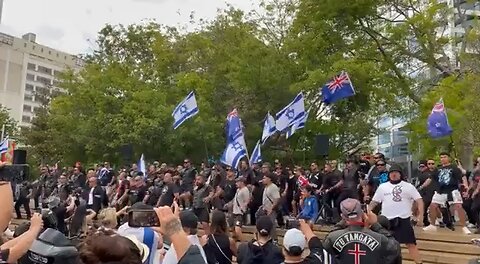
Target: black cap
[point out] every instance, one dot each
(423, 162)
(396, 167)
(188, 219)
(264, 225)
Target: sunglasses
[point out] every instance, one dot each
(378, 165)
(430, 163)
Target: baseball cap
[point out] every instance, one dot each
(188, 219)
(351, 208)
(294, 238)
(264, 225)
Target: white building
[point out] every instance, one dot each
(28, 69)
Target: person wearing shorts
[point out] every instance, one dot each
(449, 177)
(202, 196)
(240, 205)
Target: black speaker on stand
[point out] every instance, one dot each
(19, 156)
(127, 153)
(322, 145)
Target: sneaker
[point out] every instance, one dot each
(470, 225)
(466, 231)
(430, 228)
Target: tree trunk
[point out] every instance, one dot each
(466, 150)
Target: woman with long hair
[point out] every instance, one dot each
(219, 247)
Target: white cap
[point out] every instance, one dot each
(294, 238)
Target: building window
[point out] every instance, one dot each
(44, 80)
(56, 83)
(27, 108)
(26, 119)
(56, 73)
(65, 57)
(24, 45)
(49, 52)
(29, 87)
(45, 70)
(30, 77)
(33, 47)
(57, 55)
(36, 109)
(28, 98)
(32, 67)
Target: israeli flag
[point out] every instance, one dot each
(141, 166)
(234, 152)
(299, 125)
(268, 127)
(184, 110)
(4, 146)
(291, 114)
(256, 154)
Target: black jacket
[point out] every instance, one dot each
(99, 198)
(369, 245)
(269, 253)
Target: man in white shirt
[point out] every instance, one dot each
(189, 223)
(397, 198)
(239, 208)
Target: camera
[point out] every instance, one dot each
(51, 247)
(16, 173)
(292, 223)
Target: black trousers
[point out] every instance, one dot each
(26, 204)
(475, 210)
(427, 200)
(467, 206)
(253, 210)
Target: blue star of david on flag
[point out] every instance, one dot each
(291, 113)
(184, 110)
(233, 154)
(256, 156)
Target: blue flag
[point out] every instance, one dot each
(299, 125)
(291, 113)
(268, 127)
(184, 110)
(437, 122)
(256, 154)
(338, 88)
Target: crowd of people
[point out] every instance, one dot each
(370, 202)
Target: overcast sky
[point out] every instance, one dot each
(72, 25)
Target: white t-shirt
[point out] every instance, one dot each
(90, 197)
(171, 255)
(126, 230)
(396, 199)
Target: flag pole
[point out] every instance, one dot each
(204, 142)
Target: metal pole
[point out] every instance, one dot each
(3, 132)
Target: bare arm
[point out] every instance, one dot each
(420, 206)
(372, 205)
(425, 184)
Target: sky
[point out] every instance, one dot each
(72, 25)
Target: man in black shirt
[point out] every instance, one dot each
(315, 178)
(449, 177)
(24, 199)
(188, 179)
(170, 191)
(296, 241)
(257, 191)
(426, 170)
(138, 190)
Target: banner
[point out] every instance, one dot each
(8, 156)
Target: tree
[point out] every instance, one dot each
(7, 121)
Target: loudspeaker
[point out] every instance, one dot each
(19, 156)
(321, 145)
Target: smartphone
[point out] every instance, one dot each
(143, 218)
